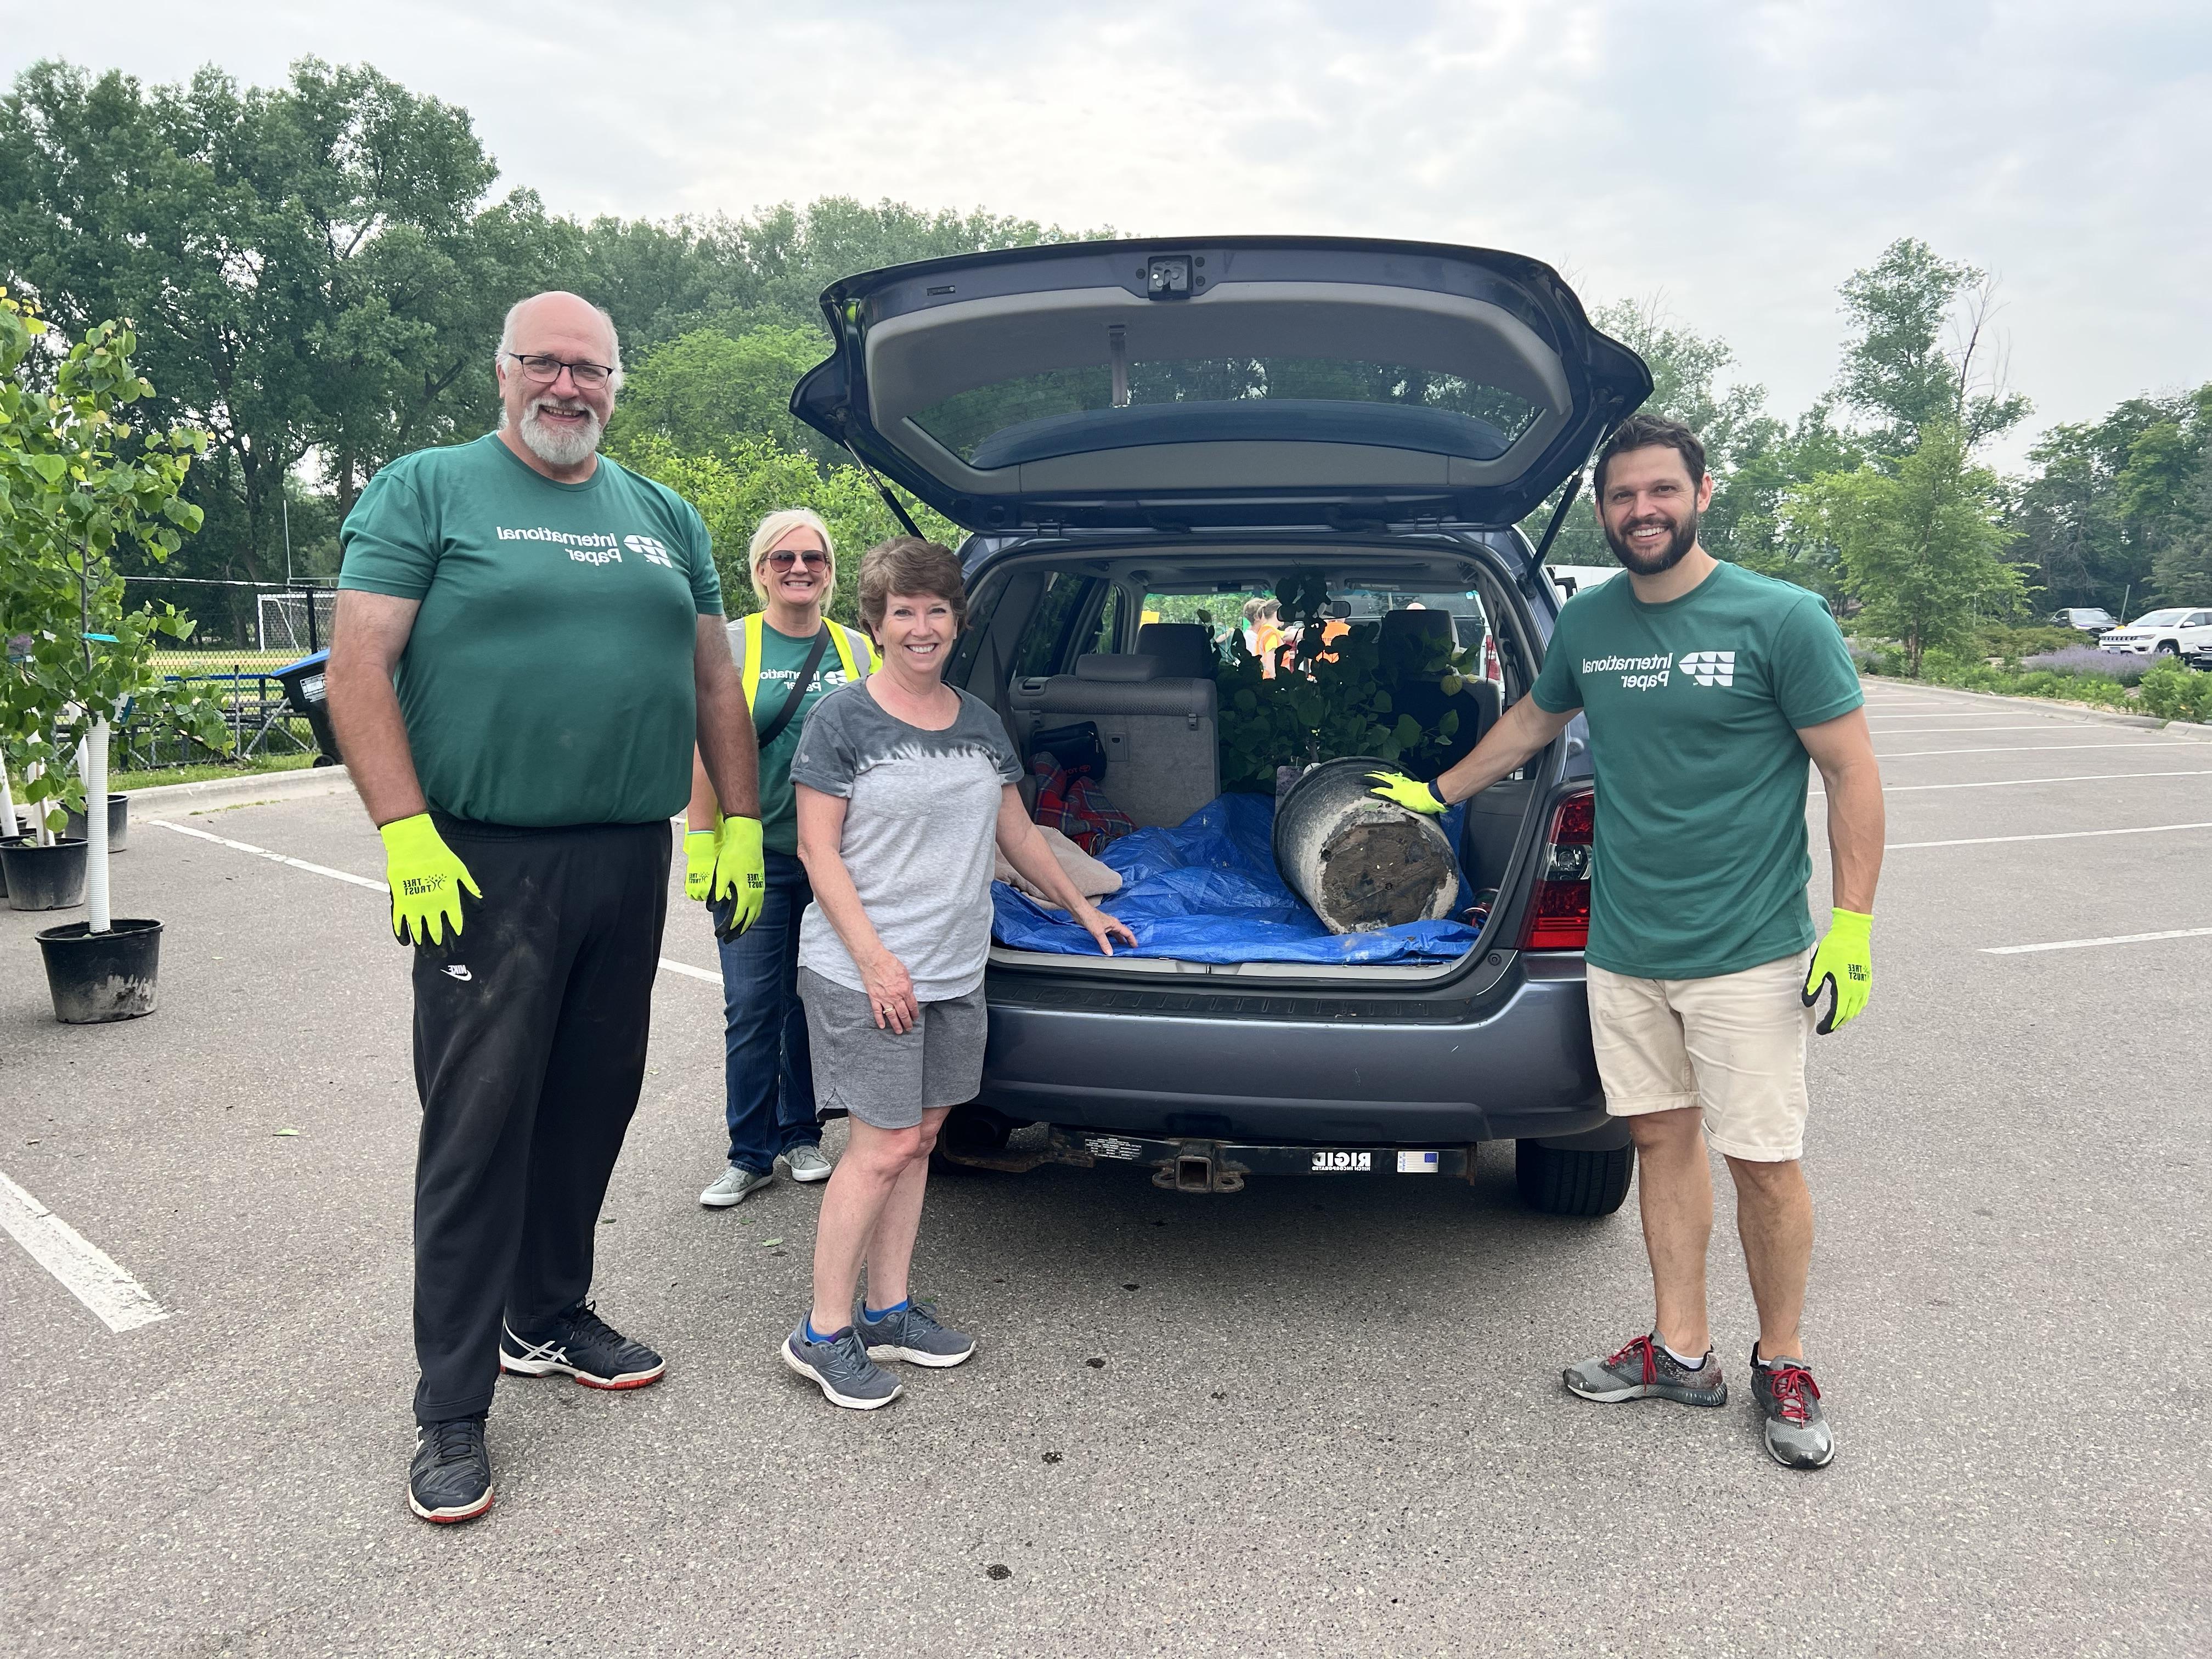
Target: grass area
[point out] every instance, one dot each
(254, 768)
(216, 660)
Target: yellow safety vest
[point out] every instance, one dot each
(757, 621)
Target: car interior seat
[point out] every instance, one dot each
(1187, 647)
(1156, 726)
(1410, 639)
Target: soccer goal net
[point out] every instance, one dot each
(281, 621)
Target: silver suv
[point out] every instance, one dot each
(1117, 423)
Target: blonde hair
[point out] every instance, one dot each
(774, 528)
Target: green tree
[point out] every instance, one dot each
(1919, 544)
(738, 488)
(80, 484)
(307, 266)
(1741, 439)
(2119, 510)
(1920, 352)
(706, 390)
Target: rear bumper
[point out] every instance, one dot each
(1521, 1068)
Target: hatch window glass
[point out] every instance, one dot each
(1072, 411)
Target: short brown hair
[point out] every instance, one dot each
(1644, 430)
(908, 564)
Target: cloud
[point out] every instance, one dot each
(1740, 160)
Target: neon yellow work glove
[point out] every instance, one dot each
(739, 876)
(1846, 962)
(698, 864)
(1409, 793)
(426, 877)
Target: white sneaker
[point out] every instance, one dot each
(805, 1162)
(735, 1185)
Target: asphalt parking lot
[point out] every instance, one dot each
(1309, 1419)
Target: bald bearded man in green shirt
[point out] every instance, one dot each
(528, 636)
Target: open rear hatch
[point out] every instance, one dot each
(1244, 382)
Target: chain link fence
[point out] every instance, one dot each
(242, 633)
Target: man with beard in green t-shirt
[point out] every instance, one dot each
(1706, 690)
(527, 637)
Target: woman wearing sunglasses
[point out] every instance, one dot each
(789, 658)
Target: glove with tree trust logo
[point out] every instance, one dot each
(1846, 962)
(699, 865)
(426, 877)
(738, 881)
(1409, 793)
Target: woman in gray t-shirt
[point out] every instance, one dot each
(904, 784)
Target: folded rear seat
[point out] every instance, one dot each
(1156, 728)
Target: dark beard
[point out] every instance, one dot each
(1685, 538)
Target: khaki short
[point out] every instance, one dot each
(1733, 1045)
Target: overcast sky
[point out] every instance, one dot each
(1737, 161)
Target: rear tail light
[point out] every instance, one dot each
(1559, 908)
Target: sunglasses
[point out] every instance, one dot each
(783, 558)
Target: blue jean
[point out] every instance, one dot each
(768, 1074)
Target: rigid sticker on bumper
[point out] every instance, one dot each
(1114, 1146)
(1417, 1163)
(1334, 1163)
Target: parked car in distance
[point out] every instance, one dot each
(2088, 618)
(2176, 631)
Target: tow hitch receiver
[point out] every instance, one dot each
(1215, 1166)
(1199, 1167)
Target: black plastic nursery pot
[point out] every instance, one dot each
(44, 878)
(118, 824)
(98, 977)
(8, 840)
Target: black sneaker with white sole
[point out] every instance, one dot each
(581, 1345)
(450, 1479)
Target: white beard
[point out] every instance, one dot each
(557, 446)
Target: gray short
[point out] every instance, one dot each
(884, 1077)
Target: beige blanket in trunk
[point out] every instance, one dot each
(1092, 879)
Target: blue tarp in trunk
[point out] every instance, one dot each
(1207, 890)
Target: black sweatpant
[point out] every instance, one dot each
(530, 1032)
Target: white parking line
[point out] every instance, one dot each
(2008, 783)
(275, 858)
(2084, 943)
(1945, 730)
(85, 1270)
(2061, 834)
(673, 966)
(2144, 742)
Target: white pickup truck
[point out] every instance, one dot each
(2176, 632)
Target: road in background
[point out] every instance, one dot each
(1320, 1417)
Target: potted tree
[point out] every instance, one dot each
(78, 483)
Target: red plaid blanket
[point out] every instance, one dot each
(1077, 807)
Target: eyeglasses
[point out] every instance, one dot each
(783, 558)
(542, 370)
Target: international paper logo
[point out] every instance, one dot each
(1710, 667)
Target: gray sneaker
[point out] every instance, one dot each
(1645, 1370)
(1797, 1435)
(736, 1184)
(841, 1369)
(805, 1162)
(912, 1334)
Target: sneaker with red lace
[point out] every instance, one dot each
(1645, 1370)
(1797, 1435)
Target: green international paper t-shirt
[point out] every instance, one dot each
(781, 657)
(547, 679)
(1693, 709)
